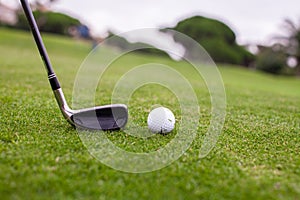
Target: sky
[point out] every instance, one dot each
(254, 22)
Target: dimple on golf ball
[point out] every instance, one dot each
(161, 120)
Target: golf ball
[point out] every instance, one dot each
(161, 120)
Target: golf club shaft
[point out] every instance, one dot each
(41, 47)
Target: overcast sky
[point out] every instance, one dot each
(254, 21)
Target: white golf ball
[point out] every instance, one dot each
(161, 120)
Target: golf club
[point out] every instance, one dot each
(108, 117)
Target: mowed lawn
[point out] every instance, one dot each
(42, 157)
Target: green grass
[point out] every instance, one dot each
(42, 157)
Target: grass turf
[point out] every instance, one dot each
(42, 157)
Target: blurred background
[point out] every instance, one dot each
(261, 35)
(256, 45)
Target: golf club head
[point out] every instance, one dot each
(109, 117)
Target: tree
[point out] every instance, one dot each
(292, 41)
(271, 59)
(50, 22)
(216, 38)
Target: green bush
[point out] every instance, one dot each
(50, 22)
(221, 52)
(216, 38)
(199, 27)
(271, 61)
(143, 48)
